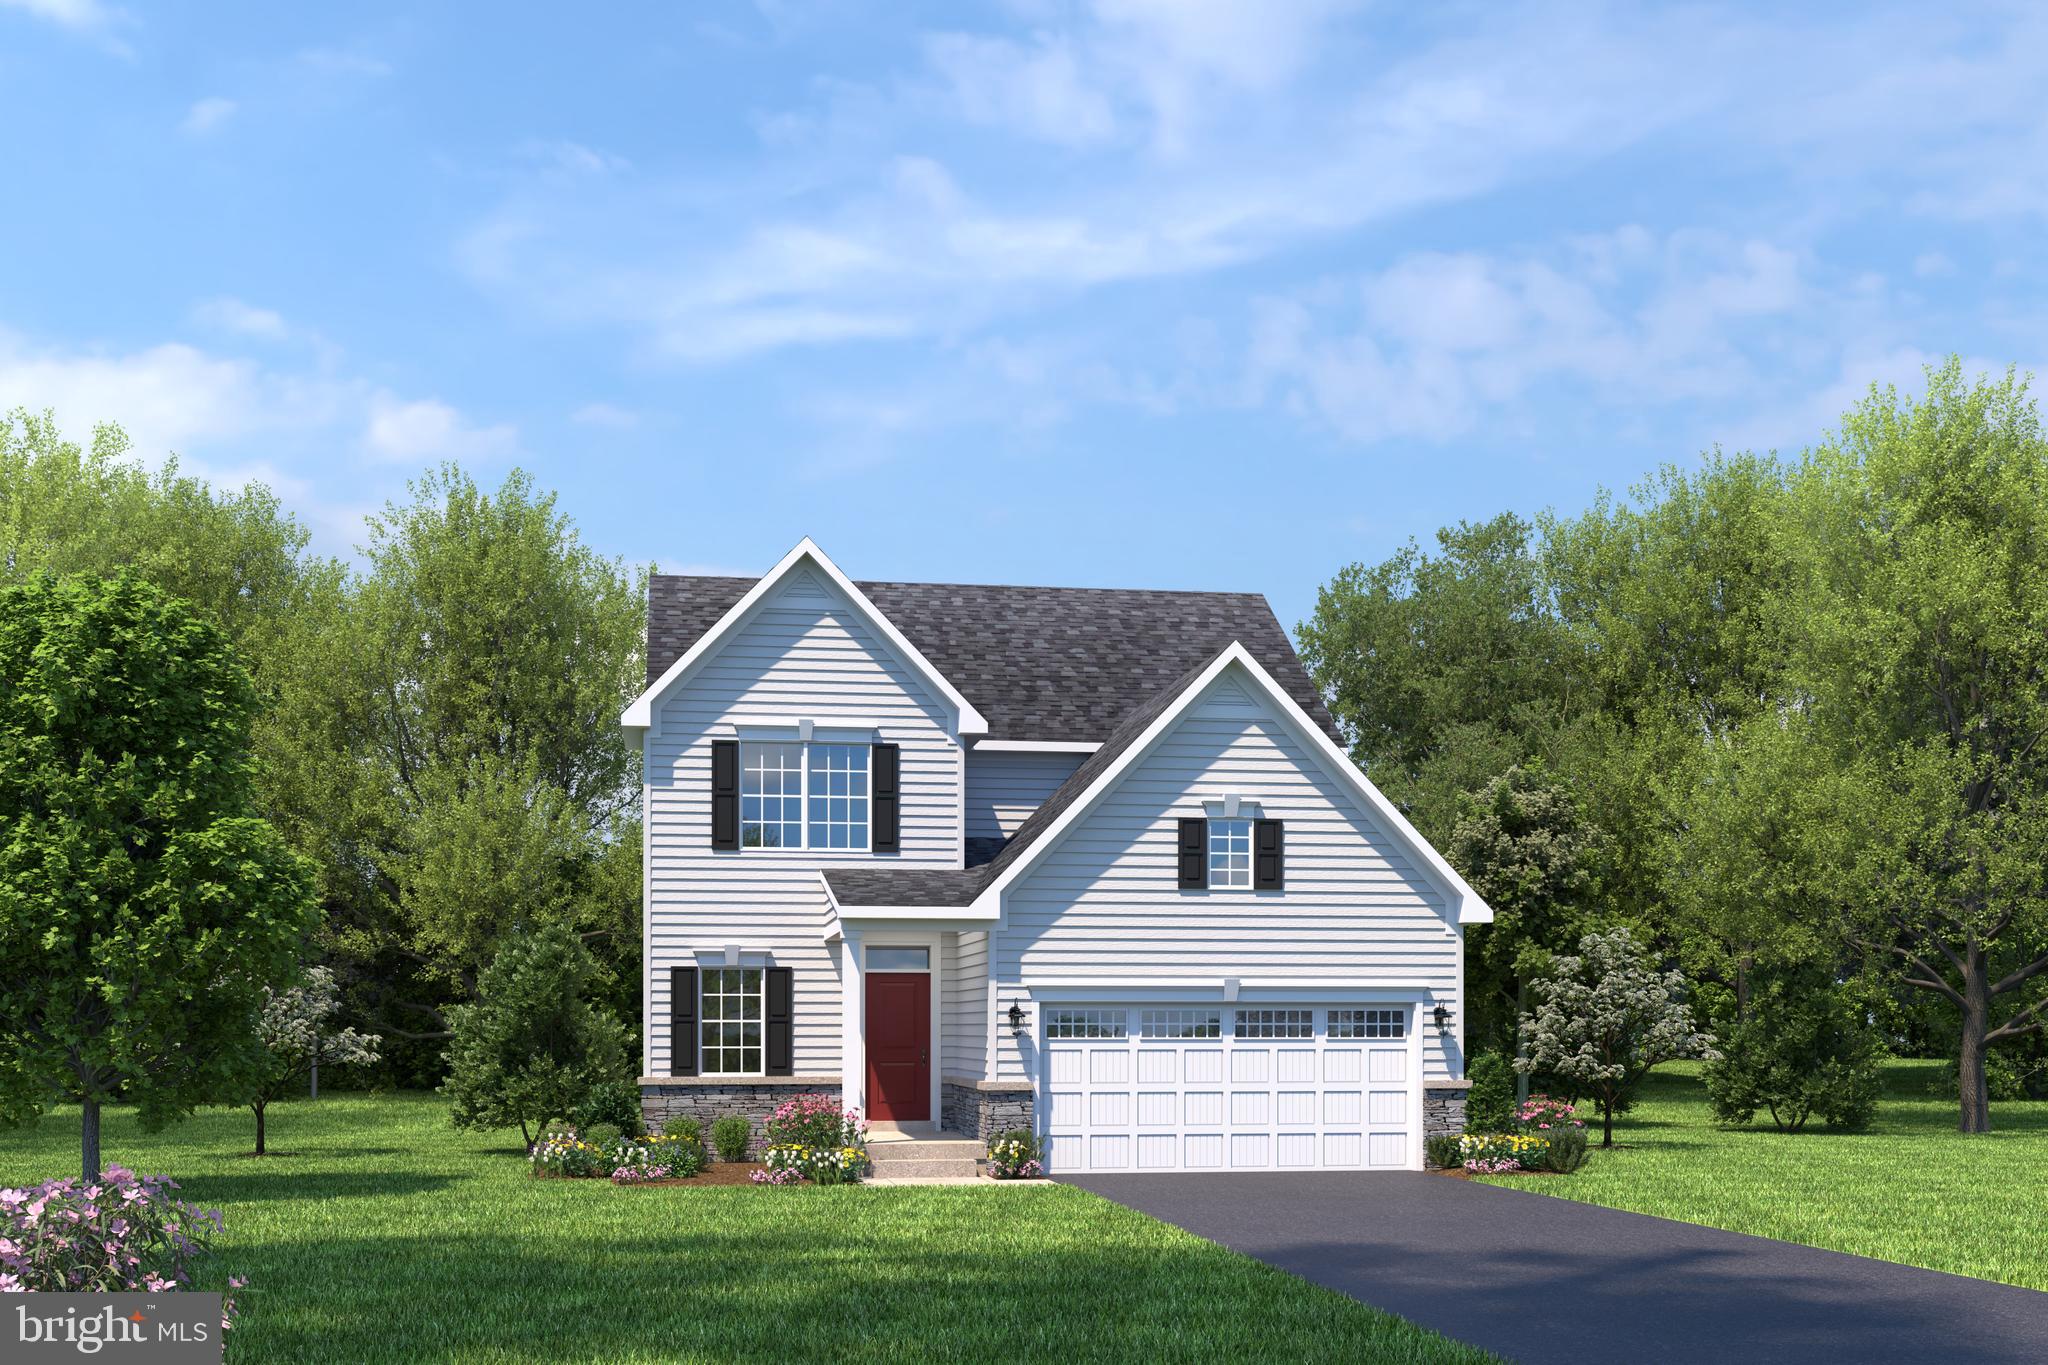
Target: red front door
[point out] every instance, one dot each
(899, 1040)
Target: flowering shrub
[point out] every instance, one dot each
(1014, 1156)
(1495, 1153)
(1541, 1113)
(788, 1164)
(126, 1232)
(816, 1121)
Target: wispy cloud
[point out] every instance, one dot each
(425, 430)
(92, 19)
(233, 315)
(207, 114)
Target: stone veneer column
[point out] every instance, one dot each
(982, 1109)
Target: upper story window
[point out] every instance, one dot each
(1230, 853)
(803, 795)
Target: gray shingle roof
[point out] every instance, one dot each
(945, 887)
(1038, 663)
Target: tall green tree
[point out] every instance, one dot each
(1524, 846)
(1443, 669)
(1919, 628)
(469, 681)
(144, 907)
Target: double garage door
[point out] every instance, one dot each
(1228, 1088)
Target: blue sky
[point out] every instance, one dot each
(1136, 292)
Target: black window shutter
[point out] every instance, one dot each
(725, 794)
(682, 1021)
(781, 1052)
(886, 817)
(1269, 855)
(1194, 853)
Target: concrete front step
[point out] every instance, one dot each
(926, 1149)
(926, 1168)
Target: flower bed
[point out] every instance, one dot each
(1497, 1153)
(812, 1138)
(562, 1153)
(1014, 1156)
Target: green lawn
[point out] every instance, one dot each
(1912, 1189)
(388, 1236)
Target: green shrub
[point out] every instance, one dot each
(685, 1126)
(602, 1134)
(1490, 1103)
(1804, 1051)
(1442, 1150)
(1564, 1152)
(616, 1102)
(730, 1135)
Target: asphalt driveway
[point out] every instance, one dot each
(1538, 1279)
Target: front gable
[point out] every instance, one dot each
(807, 587)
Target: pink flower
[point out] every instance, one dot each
(157, 1284)
(10, 1284)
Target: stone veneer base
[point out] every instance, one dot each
(661, 1101)
(1443, 1110)
(978, 1109)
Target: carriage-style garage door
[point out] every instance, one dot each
(1228, 1088)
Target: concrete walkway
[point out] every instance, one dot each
(1542, 1280)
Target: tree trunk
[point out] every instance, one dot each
(259, 1127)
(1521, 1044)
(1606, 1123)
(1744, 965)
(89, 1141)
(1975, 1096)
(315, 1093)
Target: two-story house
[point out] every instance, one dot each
(1092, 862)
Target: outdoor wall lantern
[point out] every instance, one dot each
(1016, 1017)
(1442, 1015)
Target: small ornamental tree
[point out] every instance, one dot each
(1804, 1050)
(297, 1036)
(143, 906)
(533, 1046)
(1604, 1018)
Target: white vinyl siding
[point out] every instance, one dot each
(1103, 905)
(967, 1015)
(806, 653)
(1004, 788)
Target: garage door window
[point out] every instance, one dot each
(1276, 1023)
(1084, 1024)
(1182, 1023)
(1368, 1023)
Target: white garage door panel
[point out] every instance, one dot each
(1219, 1088)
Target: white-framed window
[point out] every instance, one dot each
(729, 1021)
(1369, 1023)
(803, 795)
(1196, 1023)
(1085, 1023)
(1230, 854)
(1276, 1023)
(881, 959)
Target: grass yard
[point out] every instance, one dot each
(1912, 1189)
(388, 1236)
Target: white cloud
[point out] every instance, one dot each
(573, 158)
(606, 415)
(424, 430)
(233, 315)
(1037, 88)
(1434, 345)
(85, 15)
(206, 115)
(339, 61)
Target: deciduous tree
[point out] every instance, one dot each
(143, 905)
(298, 1032)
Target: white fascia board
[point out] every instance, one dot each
(640, 715)
(1469, 907)
(1210, 990)
(1036, 746)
